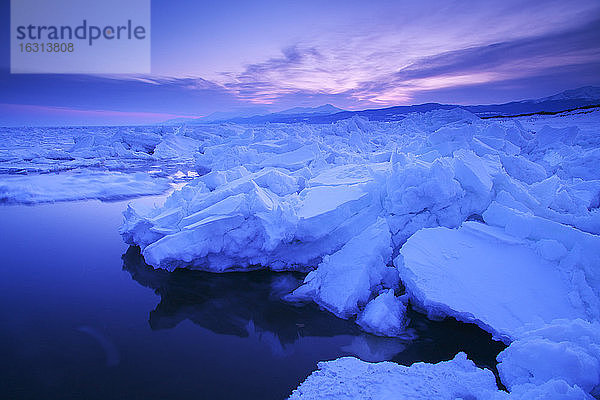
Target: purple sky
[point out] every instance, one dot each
(353, 54)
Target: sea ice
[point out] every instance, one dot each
(79, 185)
(350, 378)
(479, 274)
(564, 350)
(369, 208)
(385, 315)
(494, 223)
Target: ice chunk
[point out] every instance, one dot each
(385, 315)
(343, 282)
(295, 159)
(242, 228)
(523, 169)
(567, 350)
(323, 208)
(479, 274)
(450, 138)
(548, 136)
(471, 172)
(176, 146)
(349, 378)
(79, 185)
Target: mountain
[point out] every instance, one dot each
(220, 116)
(239, 113)
(259, 115)
(324, 109)
(567, 100)
(296, 114)
(583, 93)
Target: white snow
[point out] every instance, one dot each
(479, 274)
(385, 315)
(350, 378)
(564, 352)
(339, 199)
(176, 146)
(78, 185)
(494, 222)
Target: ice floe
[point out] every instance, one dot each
(480, 274)
(78, 185)
(490, 222)
(93, 158)
(351, 378)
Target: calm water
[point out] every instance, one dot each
(82, 316)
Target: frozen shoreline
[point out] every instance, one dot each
(484, 221)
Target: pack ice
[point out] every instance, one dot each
(106, 163)
(484, 221)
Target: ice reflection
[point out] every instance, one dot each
(250, 305)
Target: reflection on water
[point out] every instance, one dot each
(76, 326)
(249, 304)
(109, 348)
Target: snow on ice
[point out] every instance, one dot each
(494, 222)
(351, 378)
(106, 163)
(485, 221)
(78, 185)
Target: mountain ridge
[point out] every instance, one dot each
(567, 100)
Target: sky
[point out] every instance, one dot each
(265, 56)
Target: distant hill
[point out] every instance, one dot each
(324, 109)
(567, 100)
(258, 115)
(583, 93)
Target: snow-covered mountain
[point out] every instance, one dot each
(567, 100)
(583, 93)
(324, 109)
(259, 114)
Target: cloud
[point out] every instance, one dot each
(266, 81)
(190, 96)
(376, 70)
(413, 52)
(509, 60)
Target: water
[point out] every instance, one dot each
(82, 316)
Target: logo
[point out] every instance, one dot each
(80, 36)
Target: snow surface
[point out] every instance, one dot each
(351, 378)
(560, 370)
(479, 274)
(563, 352)
(494, 222)
(106, 163)
(79, 185)
(490, 222)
